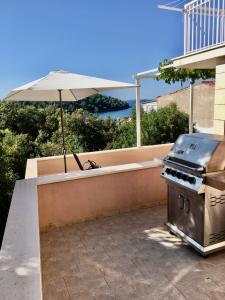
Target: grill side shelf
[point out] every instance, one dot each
(216, 181)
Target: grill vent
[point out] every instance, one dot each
(213, 200)
(216, 237)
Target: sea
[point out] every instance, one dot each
(119, 113)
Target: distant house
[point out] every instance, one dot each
(203, 112)
(149, 105)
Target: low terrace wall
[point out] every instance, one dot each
(55, 164)
(131, 181)
(102, 192)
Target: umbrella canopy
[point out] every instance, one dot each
(64, 86)
(74, 87)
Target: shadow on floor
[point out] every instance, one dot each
(129, 256)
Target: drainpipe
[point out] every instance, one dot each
(191, 108)
(138, 113)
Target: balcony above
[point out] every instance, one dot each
(204, 34)
(204, 25)
(204, 59)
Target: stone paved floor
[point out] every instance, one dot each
(130, 256)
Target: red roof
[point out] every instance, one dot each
(209, 82)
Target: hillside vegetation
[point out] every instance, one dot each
(94, 104)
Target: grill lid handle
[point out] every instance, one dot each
(198, 169)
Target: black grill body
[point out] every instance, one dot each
(196, 209)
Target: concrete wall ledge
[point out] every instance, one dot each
(97, 172)
(20, 268)
(46, 166)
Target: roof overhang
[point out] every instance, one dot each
(147, 74)
(205, 59)
(150, 74)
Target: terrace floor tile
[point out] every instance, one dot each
(128, 256)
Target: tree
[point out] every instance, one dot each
(93, 104)
(172, 75)
(17, 148)
(29, 131)
(7, 180)
(91, 132)
(157, 127)
(126, 133)
(163, 125)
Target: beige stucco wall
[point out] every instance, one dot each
(219, 110)
(83, 199)
(203, 104)
(55, 164)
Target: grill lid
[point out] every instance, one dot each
(205, 151)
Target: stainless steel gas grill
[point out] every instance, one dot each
(195, 174)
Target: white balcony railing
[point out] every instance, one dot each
(204, 24)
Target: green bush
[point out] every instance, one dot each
(163, 125)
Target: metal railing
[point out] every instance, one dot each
(204, 24)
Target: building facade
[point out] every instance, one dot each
(204, 97)
(149, 105)
(204, 48)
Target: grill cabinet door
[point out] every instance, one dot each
(186, 211)
(175, 207)
(214, 216)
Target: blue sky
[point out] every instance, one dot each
(112, 39)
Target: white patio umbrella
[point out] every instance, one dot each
(64, 86)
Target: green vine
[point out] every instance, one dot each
(171, 75)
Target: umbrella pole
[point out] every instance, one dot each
(62, 127)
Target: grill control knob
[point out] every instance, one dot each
(179, 174)
(168, 171)
(173, 173)
(184, 177)
(192, 180)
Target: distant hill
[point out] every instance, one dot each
(94, 104)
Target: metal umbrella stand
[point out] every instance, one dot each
(62, 128)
